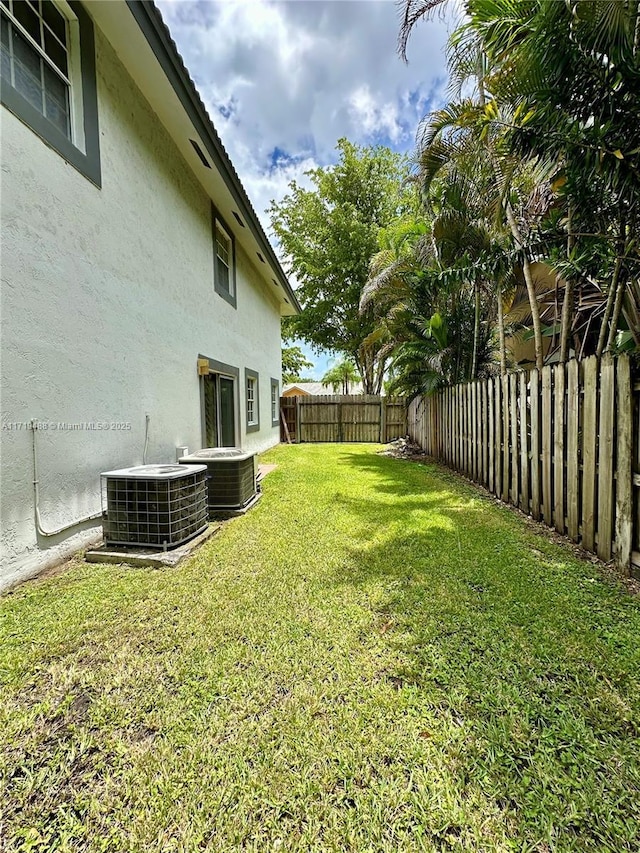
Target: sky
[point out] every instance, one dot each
(283, 80)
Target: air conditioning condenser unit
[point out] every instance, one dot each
(231, 476)
(159, 506)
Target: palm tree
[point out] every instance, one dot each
(431, 288)
(559, 89)
(342, 375)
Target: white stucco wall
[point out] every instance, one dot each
(107, 300)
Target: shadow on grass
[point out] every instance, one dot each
(533, 655)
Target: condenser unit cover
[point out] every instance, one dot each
(158, 506)
(231, 476)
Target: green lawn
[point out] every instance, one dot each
(376, 658)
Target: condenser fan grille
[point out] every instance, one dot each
(159, 511)
(231, 476)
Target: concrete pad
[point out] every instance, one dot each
(265, 469)
(234, 513)
(147, 556)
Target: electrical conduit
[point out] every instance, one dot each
(36, 495)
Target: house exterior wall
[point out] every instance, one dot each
(107, 302)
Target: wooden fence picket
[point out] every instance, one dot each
(524, 441)
(558, 447)
(505, 440)
(573, 468)
(513, 418)
(491, 436)
(498, 438)
(624, 465)
(605, 457)
(534, 392)
(547, 455)
(563, 443)
(589, 443)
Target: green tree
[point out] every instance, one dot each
(570, 72)
(429, 289)
(328, 235)
(294, 363)
(557, 96)
(341, 376)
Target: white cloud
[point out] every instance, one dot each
(283, 81)
(375, 118)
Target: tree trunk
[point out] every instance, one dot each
(531, 290)
(567, 320)
(631, 314)
(605, 331)
(569, 298)
(617, 305)
(476, 330)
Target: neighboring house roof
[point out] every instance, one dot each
(198, 128)
(316, 388)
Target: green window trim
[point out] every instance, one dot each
(275, 385)
(224, 259)
(252, 399)
(87, 162)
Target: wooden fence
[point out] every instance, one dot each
(342, 418)
(562, 443)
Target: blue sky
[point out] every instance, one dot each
(283, 81)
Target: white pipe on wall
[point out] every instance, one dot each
(146, 439)
(36, 495)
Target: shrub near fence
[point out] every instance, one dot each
(561, 443)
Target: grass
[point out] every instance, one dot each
(376, 658)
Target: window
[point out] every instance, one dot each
(35, 61)
(275, 402)
(223, 259)
(47, 71)
(253, 402)
(224, 274)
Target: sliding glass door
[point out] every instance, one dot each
(219, 408)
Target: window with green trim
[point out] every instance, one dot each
(275, 402)
(252, 398)
(35, 57)
(47, 76)
(224, 256)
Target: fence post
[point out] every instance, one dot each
(624, 466)
(505, 439)
(573, 434)
(513, 418)
(589, 442)
(524, 442)
(298, 425)
(605, 457)
(547, 448)
(558, 447)
(534, 396)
